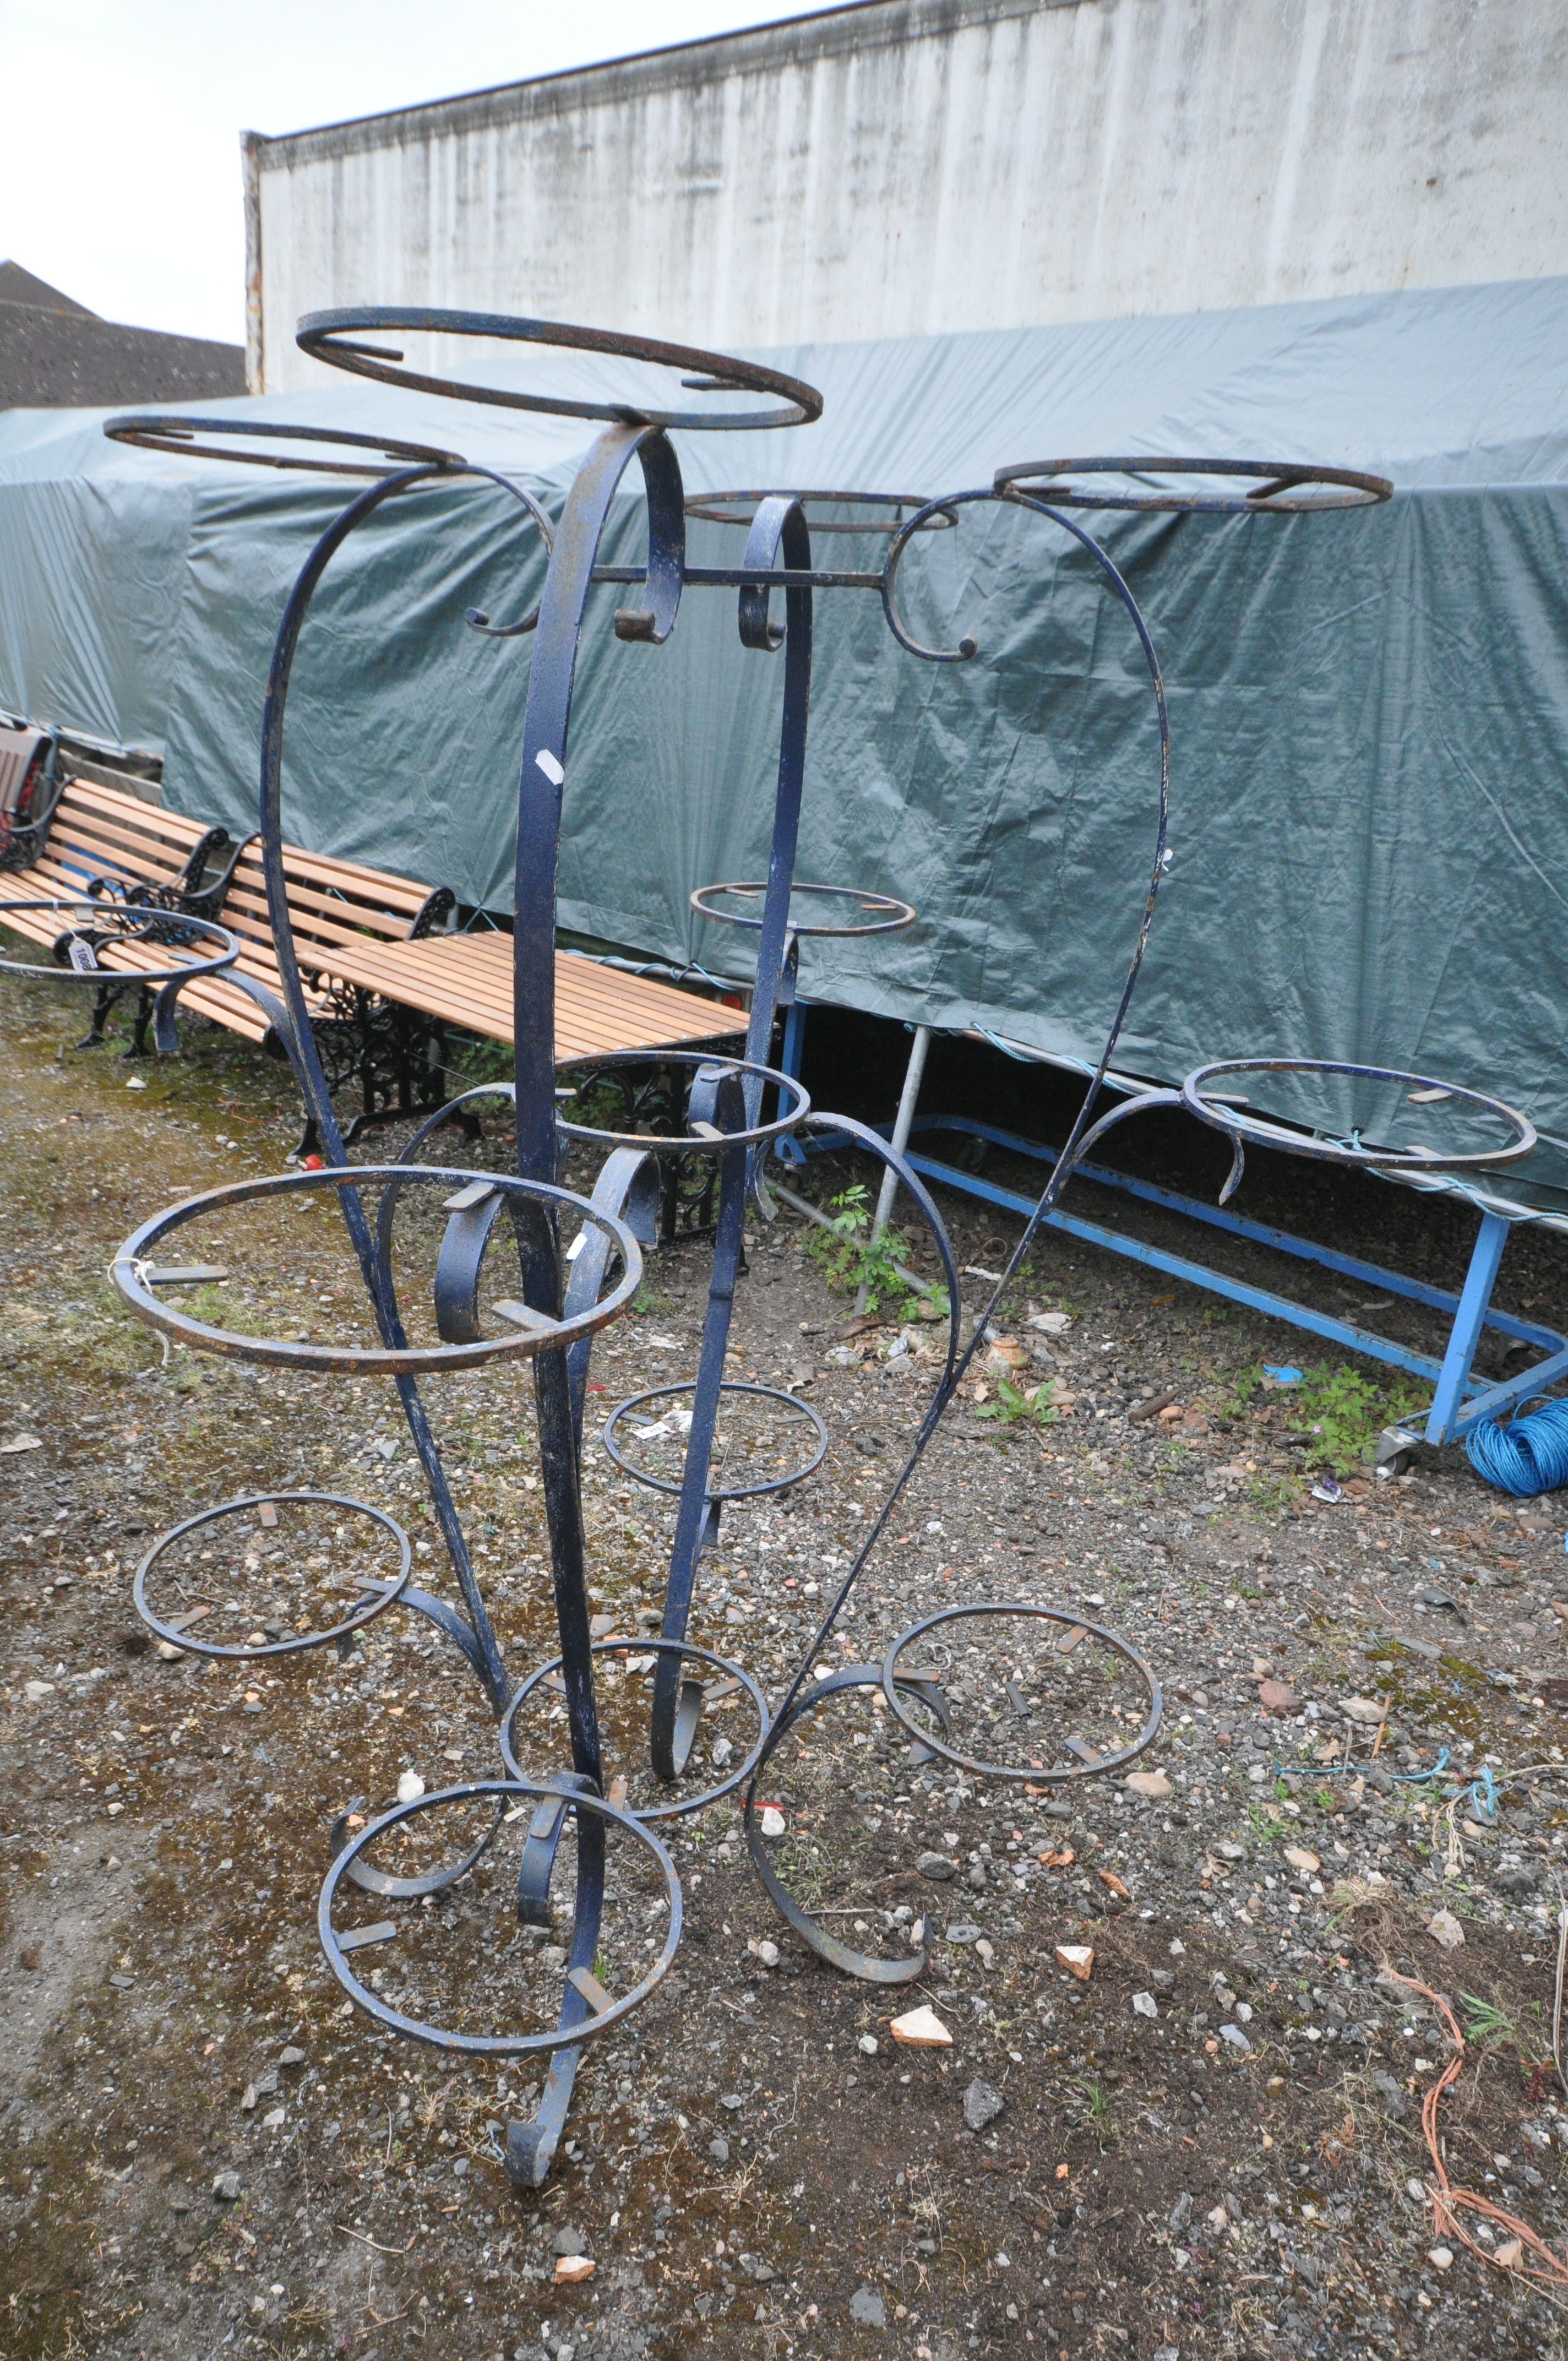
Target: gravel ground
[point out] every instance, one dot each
(1214, 2145)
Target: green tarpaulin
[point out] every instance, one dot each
(1369, 711)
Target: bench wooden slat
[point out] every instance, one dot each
(87, 825)
(246, 912)
(330, 887)
(350, 876)
(335, 869)
(352, 926)
(114, 805)
(466, 979)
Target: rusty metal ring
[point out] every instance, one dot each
(1094, 1769)
(126, 1271)
(101, 924)
(682, 1806)
(899, 914)
(175, 433)
(332, 336)
(1255, 1131)
(713, 1142)
(488, 2045)
(720, 508)
(1272, 496)
(714, 1492)
(364, 1612)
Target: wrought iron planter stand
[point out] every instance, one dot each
(735, 1111)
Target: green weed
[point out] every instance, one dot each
(1339, 1413)
(478, 1060)
(1243, 1387)
(1096, 2110)
(215, 1307)
(1274, 1494)
(1012, 1404)
(848, 1258)
(1484, 2021)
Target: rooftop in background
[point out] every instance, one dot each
(57, 355)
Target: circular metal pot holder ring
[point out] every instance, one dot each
(581, 2018)
(732, 1676)
(680, 1715)
(883, 913)
(1278, 487)
(738, 507)
(177, 434)
(710, 1074)
(718, 1493)
(334, 336)
(1230, 1116)
(1089, 1764)
(533, 1334)
(837, 1954)
(92, 927)
(182, 1635)
(98, 926)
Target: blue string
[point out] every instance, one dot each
(1325, 1769)
(1527, 1457)
(1481, 1795)
(1414, 1777)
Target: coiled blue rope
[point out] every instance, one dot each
(1527, 1457)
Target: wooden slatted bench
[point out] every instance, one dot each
(467, 981)
(383, 984)
(101, 838)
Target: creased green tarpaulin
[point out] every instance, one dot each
(1369, 711)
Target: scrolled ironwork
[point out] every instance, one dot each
(679, 1806)
(568, 1289)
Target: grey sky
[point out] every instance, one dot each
(119, 163)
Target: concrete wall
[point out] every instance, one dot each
(910, 166)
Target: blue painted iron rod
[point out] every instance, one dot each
(1488, 1403)
(1218, 1217)
(1468, 1323)
(1196, 1274)
(1492, 1400)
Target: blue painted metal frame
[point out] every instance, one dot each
(1458, 1403)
